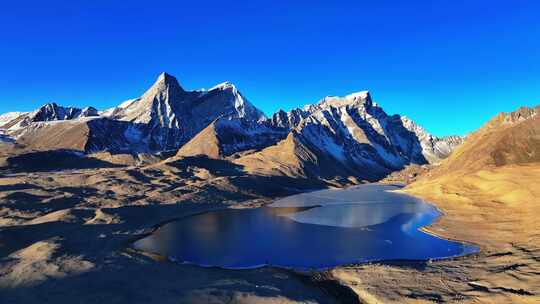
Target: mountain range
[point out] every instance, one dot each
(349, 136)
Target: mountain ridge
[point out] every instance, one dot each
(349, 135)
(507, 138)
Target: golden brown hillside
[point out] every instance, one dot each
(293, 157)
(204, 143)
(489, 192)
(289, 157)
(506, 139)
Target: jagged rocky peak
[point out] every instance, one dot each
(362, 98)
(288, 120)
(237, 104)
(158, 104)
(434, 148)
(167, 78)
(51, 111)
(347, 109)
(280, 119)
(227, 85)
(165, 84)
(17, 122)
(89, 111)
(521, 114)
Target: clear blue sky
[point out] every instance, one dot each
(449, 65)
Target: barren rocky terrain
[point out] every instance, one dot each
(496, 209)
(66, 236)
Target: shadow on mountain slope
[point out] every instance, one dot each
(56, 160)
(218, 167)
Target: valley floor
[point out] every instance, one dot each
(65, 236)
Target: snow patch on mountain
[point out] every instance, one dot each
(355, 130)
(10, 116)
(49, 112)
(114, 111)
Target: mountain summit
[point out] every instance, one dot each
(167, 80)
(165, 116)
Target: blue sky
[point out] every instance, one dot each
(449, 65)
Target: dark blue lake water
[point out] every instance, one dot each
(318, 229)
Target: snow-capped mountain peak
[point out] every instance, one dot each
(17, 123)
(226, 85)
(166, 116)
(243, 108)
(359, 95)
(165, 83)
(51, 112)
(357, 99)
(158, 105)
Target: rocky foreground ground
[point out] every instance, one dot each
(65, 238)
(495, 208)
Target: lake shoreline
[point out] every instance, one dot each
(350, 204)
(506, 268)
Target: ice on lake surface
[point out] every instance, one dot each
(318, 229)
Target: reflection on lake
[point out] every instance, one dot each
(311, 230)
